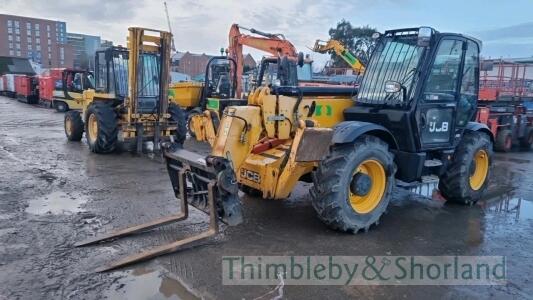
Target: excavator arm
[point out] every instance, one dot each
(274, 44)
(340, 50)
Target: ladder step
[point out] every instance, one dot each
(432, 163)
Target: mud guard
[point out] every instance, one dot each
(349, 131)
(476, 126)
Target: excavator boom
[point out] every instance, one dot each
(341, 51)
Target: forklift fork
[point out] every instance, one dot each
(168, 248)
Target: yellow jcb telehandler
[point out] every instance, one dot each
(412, 123)
(129, 104)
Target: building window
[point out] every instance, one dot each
(11, 53)
(62, 62)
(30, 47)
(29, 40)
(38, 41)
(36, 26)
(10, 30)
(10, 45)
(17, 46)
(49, 42)
(62, 53)
(17, 25)
(17, 30)
(9, 23)
(18, 38)
(47, 27)
(37, 33)
(10, 37)
(48, 34)
(49, 55)
(18, 53)
(38, 47)
(49, 49)
(28, 32)
(28, 25)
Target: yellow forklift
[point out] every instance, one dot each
(129, 104)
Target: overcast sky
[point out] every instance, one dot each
(506, 27)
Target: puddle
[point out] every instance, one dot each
(144, 283)
(514, 208)
(56, 203)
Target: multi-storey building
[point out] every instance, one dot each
(43, 41)
(84, 48)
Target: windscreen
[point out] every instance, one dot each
(148, 80)
(394, 59)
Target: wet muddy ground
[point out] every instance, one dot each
(54, 193)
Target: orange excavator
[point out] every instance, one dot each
(273, 43)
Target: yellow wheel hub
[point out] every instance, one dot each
(92, 128)
(481, 169)
(368, 200)
(68, 126)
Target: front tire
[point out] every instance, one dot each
(467, 176)
(353, 184)
(177, 115)
(101, 128)
(73, 126)
(61, 106)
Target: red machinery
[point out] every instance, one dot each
(27, 89)
(46, 90)
(506, 103)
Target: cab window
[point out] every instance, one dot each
(441, 84)
(469, 85)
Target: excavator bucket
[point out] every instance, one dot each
(208, 184)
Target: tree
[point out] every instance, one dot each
(357, 39)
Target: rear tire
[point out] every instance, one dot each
(73, 126)
(332, 195)
(457, 184)
(102, 131)
(504, 141)
(177, 115)
(527, 140)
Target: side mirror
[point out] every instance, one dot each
(392, 87)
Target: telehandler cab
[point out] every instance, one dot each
(129, 104)
(412, 123)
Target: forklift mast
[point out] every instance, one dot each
(149, 72)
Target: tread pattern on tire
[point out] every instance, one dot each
(177, 115)
(329, 193)
(77, 125)
(107, 138)
(454, 184)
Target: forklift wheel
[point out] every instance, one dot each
(61, 106)
(527, 140)
(468, 174)
(101, 129)
(504, 141)
(353, 184)
(73, 126)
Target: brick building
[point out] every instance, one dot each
(194, 64)
(43, 41)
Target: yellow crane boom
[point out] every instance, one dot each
(340, 50)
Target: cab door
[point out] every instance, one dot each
(440, 95)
